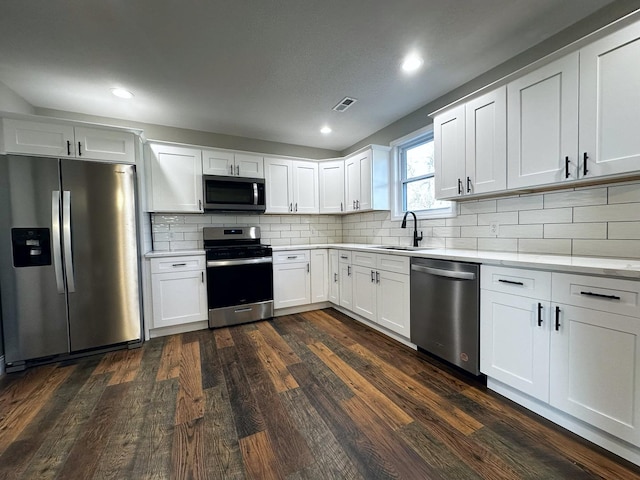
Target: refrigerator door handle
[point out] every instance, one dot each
(66, 233)
(55, 232)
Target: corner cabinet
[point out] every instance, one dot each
(174, 176)
(331, 183)
(366, 179)
(470, 147)
(178, 290)
(291, 186)
(64, 140)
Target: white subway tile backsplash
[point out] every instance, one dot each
(482, 206)
(520, 231)
(503, 218)
(184, 245)
(444, 232)
(607, 213)
(624, 231)
(462, 220)
(576, 230)
(607, 248)
(552, 215)
(576, 198)
(624, 194)
(464, 243)
(476, 231)
(553, 246)
(498, 244)
(528, 202)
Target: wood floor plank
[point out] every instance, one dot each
(259, 457)
(210, 366)
(128, 368)
(223, 458)
(331, 460)
(273, 364)
(188, 452)
(85, 454)
(18, 386)
(16, 419)
(276, 343)
(190, 403)
(170, 363)
(333, 327)
(291, 449)
(223, 338)
(438, 405)
(385, 409)
(110, 362)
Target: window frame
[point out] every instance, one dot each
(399, 179)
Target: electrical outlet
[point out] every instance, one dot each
(494, 228)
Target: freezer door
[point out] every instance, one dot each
(34, 315)
(100, 252)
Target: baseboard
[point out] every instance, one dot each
(301, 308)
(175, 329)
(1, 365)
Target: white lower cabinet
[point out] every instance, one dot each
(364, 292)
(345, 280)
(578, 352)
(334, 276)
(319, 266)
(291, 278)
(178, 290)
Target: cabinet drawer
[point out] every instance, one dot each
(516, 281)
(291, 256)
(178, 264)
(364, 259)
(598, 293)
(393, 263)
(344, 256)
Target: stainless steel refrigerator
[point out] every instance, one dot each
(68, 258)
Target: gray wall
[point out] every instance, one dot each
(420, 118)
(195, 137)
(10, 101)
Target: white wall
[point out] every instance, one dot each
(10, 101)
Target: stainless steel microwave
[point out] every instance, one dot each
(234, 194)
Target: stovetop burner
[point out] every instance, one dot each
(234, 242)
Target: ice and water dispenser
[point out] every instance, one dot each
(31, 247)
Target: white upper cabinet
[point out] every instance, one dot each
(448, 133)
(471, 147)
(232, 164)
(367, 180)
(62, 140)
(331, 179)
(486, 143)
(175, 178)
(610, 104)
(291, 186)
(542, 112)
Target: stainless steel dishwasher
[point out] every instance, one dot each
(445, 303)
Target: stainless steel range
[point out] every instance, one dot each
(239, 276)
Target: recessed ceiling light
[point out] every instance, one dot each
(122, 93)
(412, 62)
(325, 130)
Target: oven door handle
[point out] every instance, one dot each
(239, 261)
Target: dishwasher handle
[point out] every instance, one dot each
(444, 273)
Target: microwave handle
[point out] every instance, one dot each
(255, 193)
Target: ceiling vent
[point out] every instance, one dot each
(345, 103)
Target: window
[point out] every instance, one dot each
(416, 189)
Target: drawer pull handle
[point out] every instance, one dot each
(344, 257)
(557, 318)
(291, 258)
(539, 314)
(510, 282)
(600, 295)
(179, 264)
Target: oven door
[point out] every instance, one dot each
(239, 290)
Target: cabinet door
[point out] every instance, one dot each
(393, 301)
(594, 372)
(175, 176)
(351, 183)
(331, 180)
(364, 201)
(334, 277)
(105, 145)
(218, 162)
(278, 185)
(542, 112)
(610, 104)
(364, 292)
(486, 147)
(178, 297)
(345, 280)
(248, 165)
(291, 285)
(514, 349)
(305, 187)
(54, 140)
(319, 275)
(449, 151)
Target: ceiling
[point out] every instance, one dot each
(265, 69)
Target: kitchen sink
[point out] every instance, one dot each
(396, 247)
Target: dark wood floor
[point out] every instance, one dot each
(310, 396)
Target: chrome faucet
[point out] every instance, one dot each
(416, 238)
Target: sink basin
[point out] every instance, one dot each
(396, 247)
